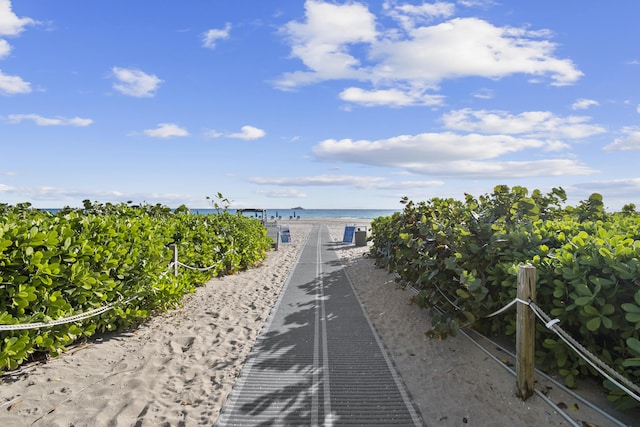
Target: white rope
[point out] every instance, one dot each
(94, 312)
(199, 269)
(75, 318)
(446, 298)
(205, 268)
(508, 306)
(597, 364)
(550, 324)
(164, 273)
(91, 313)
(589, 357)
(63, 320)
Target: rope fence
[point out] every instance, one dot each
(199, 269)
(605, 370)
(100, 310)
(62, 321)
(601, 367)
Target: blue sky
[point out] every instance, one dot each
(322, 104)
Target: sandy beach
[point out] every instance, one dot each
(178, 368)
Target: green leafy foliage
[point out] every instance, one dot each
(463, 257)
(57, 266)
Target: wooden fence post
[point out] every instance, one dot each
(525, 332)
(175, 259)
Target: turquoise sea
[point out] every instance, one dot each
(316, 213)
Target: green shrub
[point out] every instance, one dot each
(463, 258)
(57, 266)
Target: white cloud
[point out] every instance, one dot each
(283, 193)
(389, 97)
(45, 193)
(48, 121)
(477, 3)
(424, 148)
(406, 185)
(342, 42)
(5, 48)
(529, 123)
(247, 133)
(625, 189)
(10, 24)
(333, 24)
(74, 197)
(361, 182)
(409, 15)
(212, 36)
(465, 47)
(11, 85)
(321, 42)
(319, 181)
(166, 130)
(629, 142)
(633, 183)
(483, 94)
(638, 109)
(488, 150)
(449, 154)
(441, 9)
(502, 170)
(583, 104)
(213, 134)
(133, 82)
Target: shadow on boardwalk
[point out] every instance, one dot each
(318, 362)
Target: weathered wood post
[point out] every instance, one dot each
(525, 332)
(175, 258)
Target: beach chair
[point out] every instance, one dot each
(285, 234)
(273, 231)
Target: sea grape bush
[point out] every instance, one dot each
(55, 266)
(463, 258)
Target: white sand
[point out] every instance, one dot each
(178, 368)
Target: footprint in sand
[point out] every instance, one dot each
(182, 344)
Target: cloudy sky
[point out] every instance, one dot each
(322, 104)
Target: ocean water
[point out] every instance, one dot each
(315, 213)
(302, 213)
